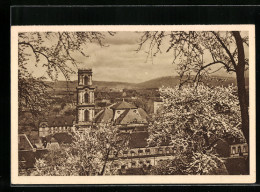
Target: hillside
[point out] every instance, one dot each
(168, 81)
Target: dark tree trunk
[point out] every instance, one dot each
(242, 95)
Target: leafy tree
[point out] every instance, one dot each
(87, 155)
(53, 51)
(195, 52)
(193, 119)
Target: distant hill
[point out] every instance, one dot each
(168, 81)
(63, 85)
(172, 81)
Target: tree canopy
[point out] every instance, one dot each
(53, 53)
(196, 52)
(87, 155)
(193, 120)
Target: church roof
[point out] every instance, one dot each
(123, 105)
(105, 116)
(131, 116)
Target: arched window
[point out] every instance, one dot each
(86, 115)
(86, 97)
(86, 80)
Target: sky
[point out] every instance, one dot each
(119, 61)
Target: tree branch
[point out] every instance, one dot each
(226, 49)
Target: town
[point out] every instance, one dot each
(84, 106)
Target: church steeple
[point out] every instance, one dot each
(85, 98)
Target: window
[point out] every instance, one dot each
(244, 149)
(86, 98)
(86, 115)
(86, 80)
(132, 153)
(134, 120)
(239, 150)
(140, 151)
(147, 151)
(233, 150)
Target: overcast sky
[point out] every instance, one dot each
(120, 62)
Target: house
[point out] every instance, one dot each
(27, 153)
(56, 124)
(125, 116)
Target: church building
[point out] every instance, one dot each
(125, 116)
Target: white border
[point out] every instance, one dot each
(187, 179)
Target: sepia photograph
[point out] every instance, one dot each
(133, 104)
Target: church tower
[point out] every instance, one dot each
(85, 99)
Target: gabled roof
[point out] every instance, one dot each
(142, 113)
(131, 116)
(105, 116)
(24, 143)
(123, 105)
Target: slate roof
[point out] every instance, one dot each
(138, 140)
(104, 116)
(60, 138)
(131, 116)
(123, 105)
(57, 121)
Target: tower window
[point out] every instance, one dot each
(86, 115)
(86, 97)
(86, 80)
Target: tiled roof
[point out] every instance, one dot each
(60, 121)
(142, 113)
(105, 116)
(131, 116)
(138, 140)
(24, 143)
(29, 157)
(123, 105)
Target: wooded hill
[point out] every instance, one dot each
(168, 81)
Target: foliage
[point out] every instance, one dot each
(195, 52)
(190, 164)
(53, 51)
(32, 92)
(87, 155)
(193, 120)
(190, 49)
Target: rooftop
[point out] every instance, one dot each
(123, 105)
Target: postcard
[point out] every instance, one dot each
(162, 104)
